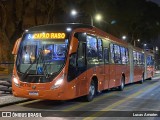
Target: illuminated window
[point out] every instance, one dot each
(112, 52)
(92, 47)
(135, 61)
(117, 58)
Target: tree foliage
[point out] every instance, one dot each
(138, 19)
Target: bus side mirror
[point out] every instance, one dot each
(73, 45)
(16, 47)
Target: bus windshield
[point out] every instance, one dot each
(41, 55)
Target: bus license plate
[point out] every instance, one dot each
(34, 93)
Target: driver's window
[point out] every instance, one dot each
(77, 61)
(72, 69)
(81, 58)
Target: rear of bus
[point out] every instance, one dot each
(40, 66)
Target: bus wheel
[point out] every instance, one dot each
(142, 79)
(91, 93)
(121, 87)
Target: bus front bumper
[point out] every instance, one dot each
(56, 94)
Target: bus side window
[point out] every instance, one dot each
(135, 58)
(106, 55)
(112, 52)
(127, 56)
(81, 52)
(100, 50)
(142, 59)
(150, 60)
(138, 58)
(92, 52)
(117, 58)
(81, 60)
(72, 69)
(123, 55)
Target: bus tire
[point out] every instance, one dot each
(142, 79)
(121, 87)
(92, 91)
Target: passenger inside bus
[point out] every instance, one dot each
(92, 46)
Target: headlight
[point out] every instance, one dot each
(58, 83)
(16, 82)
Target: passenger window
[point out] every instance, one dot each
(139, 58)
(123, 55)
(127, 56)
(117, 58)
(100, 51)
(142, 59)
(135, 61)
(150, 60)
(106, 55)
(112, 52)
(92, 51)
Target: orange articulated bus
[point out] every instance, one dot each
(66, 61)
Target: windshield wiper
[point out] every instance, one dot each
(37, 61)
(28, 69)
(44, 66)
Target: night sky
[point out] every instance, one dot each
(156, 1)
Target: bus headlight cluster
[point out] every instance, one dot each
(58, 83)
(15, 81)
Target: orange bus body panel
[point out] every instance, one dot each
(108, 75)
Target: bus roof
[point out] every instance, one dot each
(62, 27)
(58, 27)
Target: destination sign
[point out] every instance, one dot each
(49, 36)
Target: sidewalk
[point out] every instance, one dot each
(5, 83)
(10, 99)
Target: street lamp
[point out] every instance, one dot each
(74, 13)
(156, 48)
(124, 37)
(150, 47)
(98, 17)
(138, 40)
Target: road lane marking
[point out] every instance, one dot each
(108, 108)
(77, 106)
(98, 98)
(29, 102)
